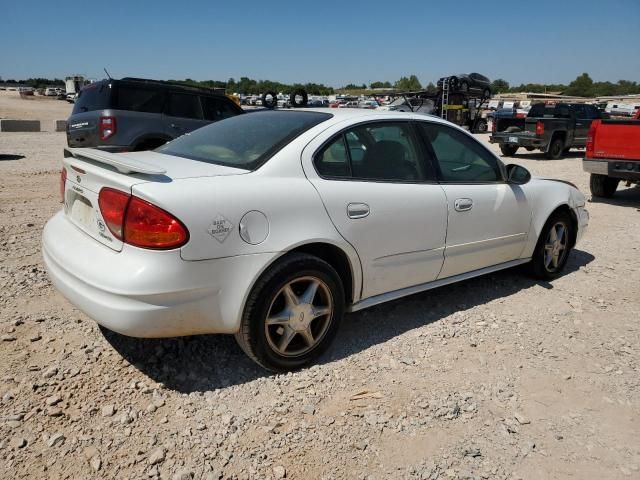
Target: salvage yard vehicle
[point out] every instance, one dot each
(552, 134)
(272, 225)
(472, 83)
(141, 114)
(612, 155)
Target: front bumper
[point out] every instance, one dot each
(614, 168)
(146, 293)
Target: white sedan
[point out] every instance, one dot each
(271, 225)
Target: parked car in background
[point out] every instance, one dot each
(140, 114)
(273, 236)
(612, 155)
(50, 92)
(552, 134)
(622, 109)
(472, 83)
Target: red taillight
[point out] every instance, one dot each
(149, 226)
(494, 125)
(591, 136)
(108, 127)
(539, 128)
(140, 223)
(521, 115)
(113, 206)
(63, 181)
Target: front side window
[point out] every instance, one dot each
(185, 106)
(460, 158)
(217, 109)
(376, 151)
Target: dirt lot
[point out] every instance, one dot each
(499, 377)
(45, 109)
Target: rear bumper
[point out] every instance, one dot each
(145, 293)
(521, 140)
(614, 168)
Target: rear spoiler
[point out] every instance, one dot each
(122, 163)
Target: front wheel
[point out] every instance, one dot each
(603, 186)
(508, 150)
(292, 314)
(553, 247)
(481, 126)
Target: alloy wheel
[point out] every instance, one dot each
(555, 247)
(299, 316)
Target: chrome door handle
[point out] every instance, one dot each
(463, 204)
(358, 210)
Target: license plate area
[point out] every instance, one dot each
(512, 139)
(81, 207)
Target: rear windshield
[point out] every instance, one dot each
(541, 110)
(93, 97)
(245, 141)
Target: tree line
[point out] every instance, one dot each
(582, 86)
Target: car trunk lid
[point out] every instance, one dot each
(90, 170)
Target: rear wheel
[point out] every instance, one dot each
(464, 86)
(292, 313)
(553, 247)
(555, 150)
(603, 186)
(486, 93)
(481, 126)
(508, 150)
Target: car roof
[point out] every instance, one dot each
(341, 114)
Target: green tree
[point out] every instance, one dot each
(409, 84)
(499, 85)
(582, 86)
(380, 85)
(431, 88)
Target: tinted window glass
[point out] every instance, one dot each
(217, 109)
(93, 97)
(186, 106)
(139, 99)
(384, 151)
(461, 159)
(244, 141)
(333, 161)
(540, 110)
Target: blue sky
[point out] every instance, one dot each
(330, 42)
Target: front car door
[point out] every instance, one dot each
(381, 195)
(582, 124)
(489, 219)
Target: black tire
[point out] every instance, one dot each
(149, 144)
(556, 149)
(486, 93)
(529, 149)
(481, 126)
(464, 86)
(538, 266)
(299, 93)
(508, 150)
(256, 338)
(566, 151)
(273, 103)
(603, 186)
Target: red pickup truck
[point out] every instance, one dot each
(613, 154)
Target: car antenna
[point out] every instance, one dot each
(105, 71)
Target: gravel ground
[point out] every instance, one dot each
(499, 377)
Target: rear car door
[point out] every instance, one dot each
(183, 113)
(488, 218)
(381, 194)
(582, 122)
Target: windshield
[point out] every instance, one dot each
(245, 141)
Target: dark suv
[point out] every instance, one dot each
(139, 114)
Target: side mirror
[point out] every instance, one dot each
(517, 175)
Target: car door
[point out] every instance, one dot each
(183, 114)
(381, 195)
(488, 218)
(582, 124)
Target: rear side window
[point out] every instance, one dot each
(185, 106)
(139, 99)
(376, 151)
(245, 141)
(93, 97)
(217, 109)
